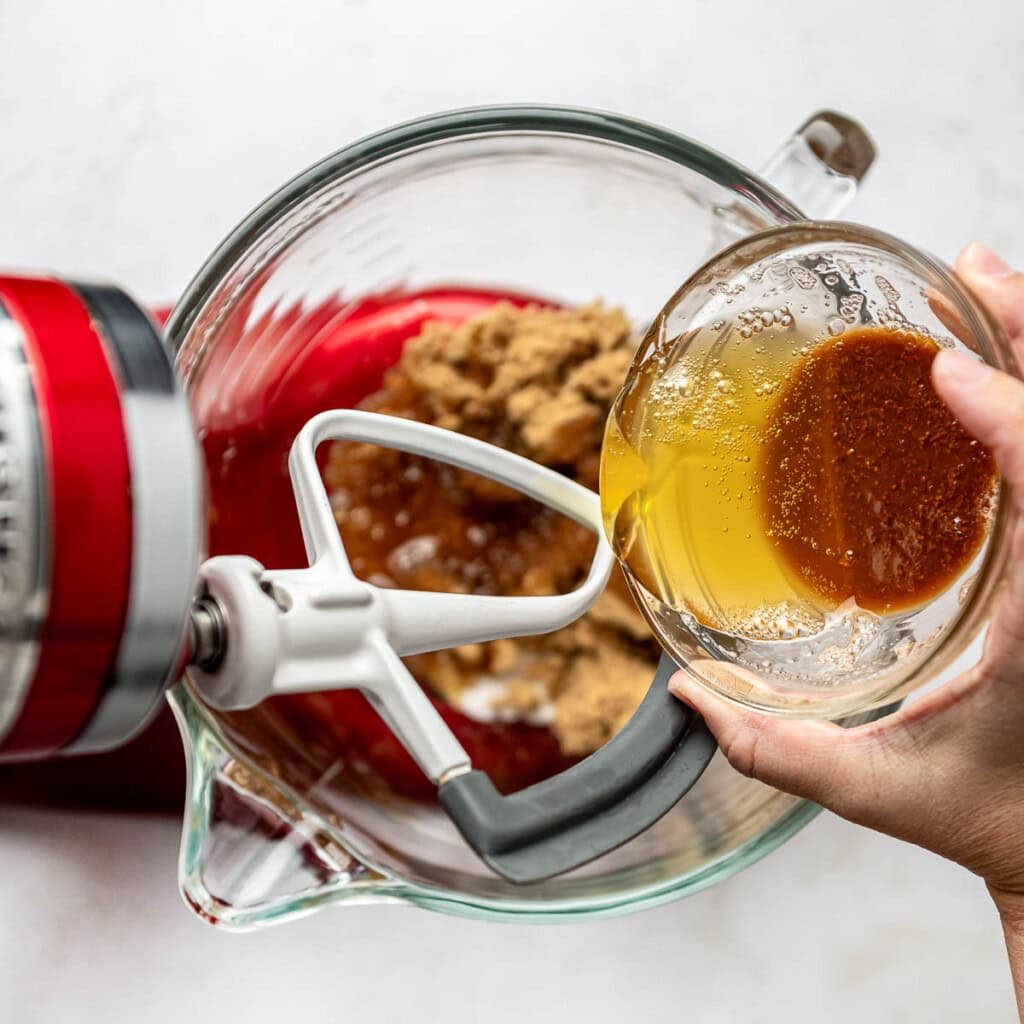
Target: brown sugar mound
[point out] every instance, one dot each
(539, 382)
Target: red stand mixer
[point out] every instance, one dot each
(111, 495)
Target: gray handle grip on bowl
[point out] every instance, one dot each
(597, 805)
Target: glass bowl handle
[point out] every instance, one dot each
(819, 169)
(821, 165)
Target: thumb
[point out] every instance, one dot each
(990, 405)
(998, 286)
(845, 770)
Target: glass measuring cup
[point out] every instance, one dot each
(542, 201)
(705, 381)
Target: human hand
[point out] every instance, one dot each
(947, 771)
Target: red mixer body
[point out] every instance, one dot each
(92, 627)
(89, 487)
(148, 772)
(89, 509)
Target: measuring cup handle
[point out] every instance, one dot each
(595, 806)
(821, 165)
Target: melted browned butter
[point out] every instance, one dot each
(871, 489)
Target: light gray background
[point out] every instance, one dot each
(134, 135)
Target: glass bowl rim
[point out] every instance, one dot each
(511, 119)
(194, 720)
(502, 120)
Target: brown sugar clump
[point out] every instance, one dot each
(539, 382)
(872, 490)
(605, 684)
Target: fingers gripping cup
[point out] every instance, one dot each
(784, 488)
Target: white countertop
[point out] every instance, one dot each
(134, 135)
(838, 926)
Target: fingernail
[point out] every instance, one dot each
(676, 688)
(960, 369)
(981, 259)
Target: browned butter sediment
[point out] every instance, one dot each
(871, 489)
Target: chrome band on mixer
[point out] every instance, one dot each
(24, 526)
(165, 512)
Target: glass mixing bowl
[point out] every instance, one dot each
(562, 204)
